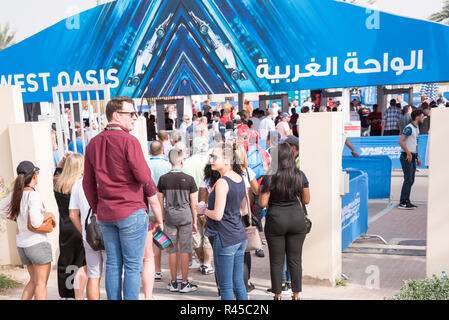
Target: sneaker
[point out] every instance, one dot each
(413, 205)
(179, 278)
(406, 206)
(188, 287)
(194, 264)
(207, 270)
(158, 276)
(173, 286)
(285, 289)
(260, 253)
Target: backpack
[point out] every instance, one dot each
(94, 237)
(257, 158)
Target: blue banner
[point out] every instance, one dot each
(148, 48)
(354, 214)
(386, 146)
(378, 169)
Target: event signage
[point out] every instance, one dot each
(386, 146)
(153, 48)
(354, 213)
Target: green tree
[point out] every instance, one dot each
(443, 15)
(6, 36)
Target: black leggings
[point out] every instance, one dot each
(285, 232)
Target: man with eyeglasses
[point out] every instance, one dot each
(115, 177)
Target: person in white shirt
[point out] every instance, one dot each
(402, 102)
(267, 125)
(79, 211)
(183, 127)
(308, 103)
(283, 126)
(24, 205)
(440, 103)
(256, 119)
(163, 137)
(275, 107)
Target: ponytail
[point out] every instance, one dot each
(229, 149)
(17, 193)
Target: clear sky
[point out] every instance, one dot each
(28, 17)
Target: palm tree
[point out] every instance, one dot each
(6, 37)
(356, 1)
(443, 15)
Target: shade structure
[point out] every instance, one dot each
(153, 48)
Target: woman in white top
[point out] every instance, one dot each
(34, 248)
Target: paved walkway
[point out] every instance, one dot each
(371, 276)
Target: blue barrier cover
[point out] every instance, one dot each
(354, 213)
(378, 169)
(386, 146)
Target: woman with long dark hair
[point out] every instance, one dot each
(25, 205)
(283, 190)
(224, 222)
(72, 260)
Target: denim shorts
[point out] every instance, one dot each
(38, 254)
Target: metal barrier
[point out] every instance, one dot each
(386, 146)
(63, 123)
(354, 213)
(378, 169)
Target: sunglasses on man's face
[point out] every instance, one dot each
(132, 113)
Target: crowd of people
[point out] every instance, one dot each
(202, 185)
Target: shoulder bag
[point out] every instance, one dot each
(94, 237)
(307, 221)
(45, 227)
(254, 242)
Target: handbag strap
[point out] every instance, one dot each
(247, 201)
(303, 207)
(87, 218)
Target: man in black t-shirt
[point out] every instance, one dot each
(363, 114)
(206, 107)
(180, 193)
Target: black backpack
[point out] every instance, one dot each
(94, 237)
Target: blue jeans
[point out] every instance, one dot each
(229, 269)
(286, 277)
(124, 242)
(409, 170)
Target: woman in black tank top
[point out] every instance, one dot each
(224, 223)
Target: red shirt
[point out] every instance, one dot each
(225, 120)
(115, 172)
(375, 116)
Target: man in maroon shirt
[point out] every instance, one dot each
(375, 121)
(115, 173)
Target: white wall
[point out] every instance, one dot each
(438, 206)
(320, 160)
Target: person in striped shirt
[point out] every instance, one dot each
(390, 123)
